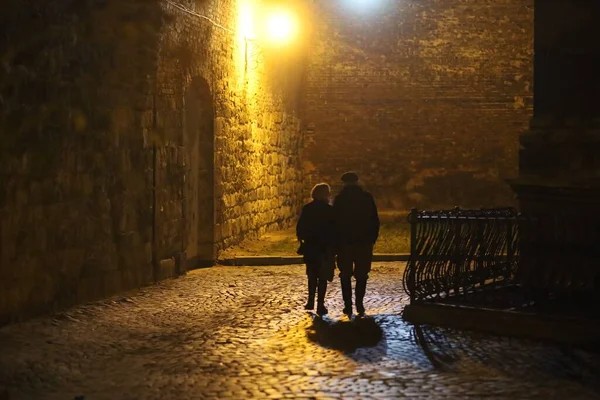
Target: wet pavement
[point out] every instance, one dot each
(241, 332)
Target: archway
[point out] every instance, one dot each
(198, 141)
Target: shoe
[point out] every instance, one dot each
(360, 309)
(310, 305)
(321, 310)
(348, 311)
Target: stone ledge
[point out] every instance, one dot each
(198, 263)
(506, 323)
(251, 261)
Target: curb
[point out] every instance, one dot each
(253, 261)
(558, 329)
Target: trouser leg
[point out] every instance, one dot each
(359, 291)
(346, 291)
(364, 258)
(321, 309)
(346, 264)
(312, 286)
(322, 286)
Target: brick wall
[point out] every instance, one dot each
(93, 156)
(425, 98)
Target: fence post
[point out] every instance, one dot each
(481, 252)
(510, 235)
(457, 259)
(412, 219)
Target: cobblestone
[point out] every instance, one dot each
(241, 332)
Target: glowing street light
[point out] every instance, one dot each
(366, 5)
(281, 26)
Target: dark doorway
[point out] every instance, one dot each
(198, 141)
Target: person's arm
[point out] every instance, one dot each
(374, 220)
(336, 223)
(301, 226)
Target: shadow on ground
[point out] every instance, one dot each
(448, 350)
(346, 336)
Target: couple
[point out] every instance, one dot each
(348, 230)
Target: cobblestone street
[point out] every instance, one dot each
(241, 332)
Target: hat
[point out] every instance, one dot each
(350, 177)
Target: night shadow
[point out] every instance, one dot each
(346, 336)
(446, 349)
(436, 348)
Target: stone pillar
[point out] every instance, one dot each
(560, 155)
(559, 178)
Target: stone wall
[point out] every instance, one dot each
(93, 159)
(257, 182)
(425, 98)
(75, 202)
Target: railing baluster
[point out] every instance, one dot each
(459, 253)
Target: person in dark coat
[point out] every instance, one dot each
(357, 224)
(316, 232)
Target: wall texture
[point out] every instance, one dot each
(75, 203)
(425, 98)
(96, 119)
(257, 182)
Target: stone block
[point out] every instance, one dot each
(167, 268)
(8, 245)
(112, 283)
(90, 288)
(12, 298)
(132, 277)
(100, 256)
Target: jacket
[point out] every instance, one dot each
(356, 216)
(316, 227)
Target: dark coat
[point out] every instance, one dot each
(316, 228)
(356, 216)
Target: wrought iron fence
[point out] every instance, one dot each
(458, 252)
(498, 257)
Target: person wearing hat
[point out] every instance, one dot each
(357, 230)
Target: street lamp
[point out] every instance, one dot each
(365, 5)
(264, 31)
(281, 26)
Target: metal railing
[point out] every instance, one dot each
(497, 257)
(458, 252)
